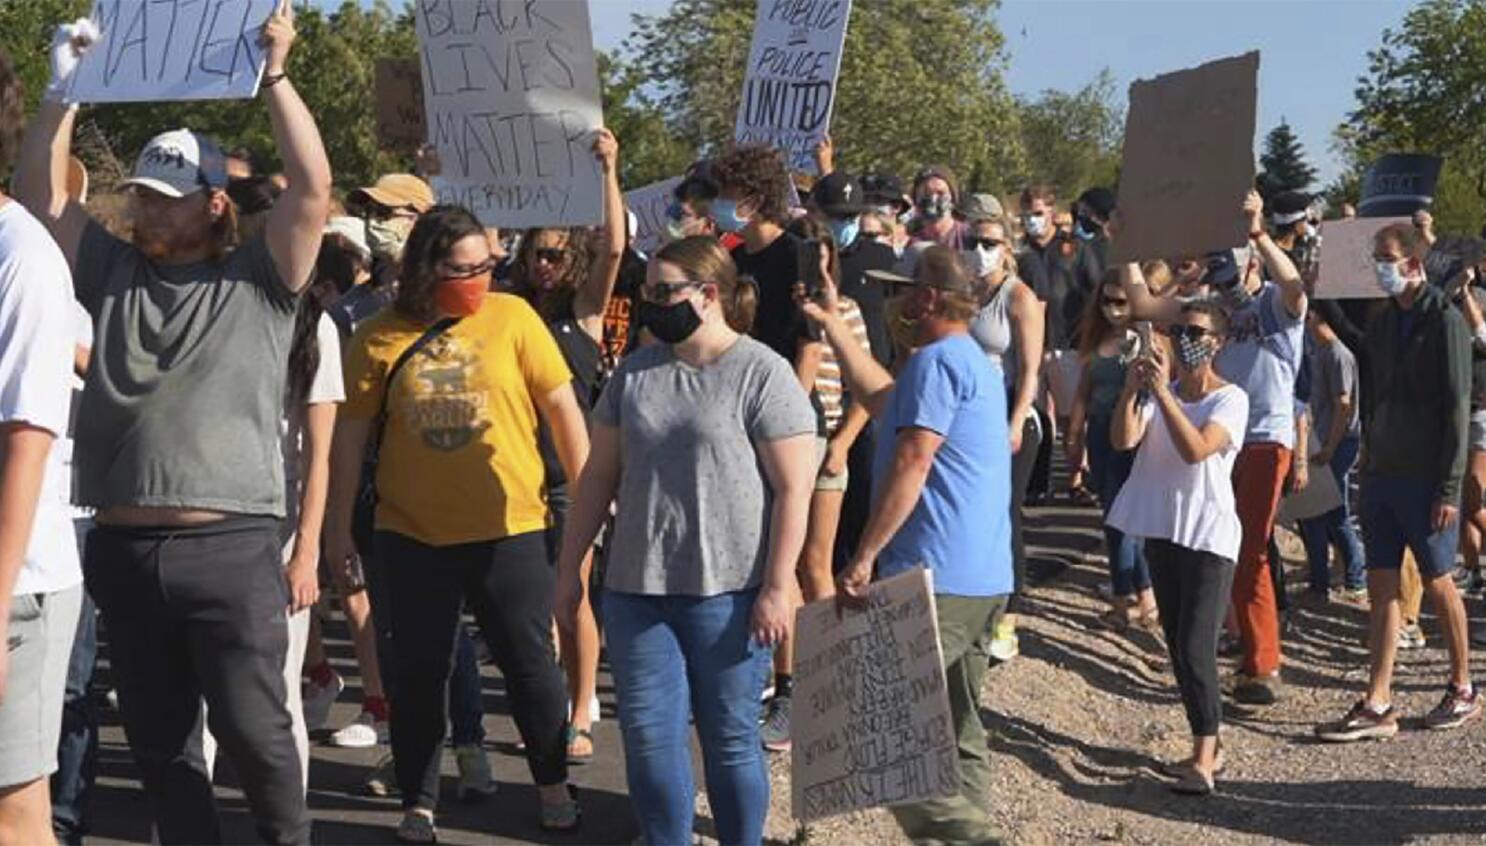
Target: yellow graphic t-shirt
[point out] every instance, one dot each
(459, 460)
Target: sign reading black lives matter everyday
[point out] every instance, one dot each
(511, 93)
(871, 723)
(789, 88)
(158, 50)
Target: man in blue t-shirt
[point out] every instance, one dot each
(941, 499)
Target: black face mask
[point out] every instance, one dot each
(670, 324)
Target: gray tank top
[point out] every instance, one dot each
(991, 327)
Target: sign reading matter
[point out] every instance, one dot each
(399, 94)
(871, 719)
(649, 205)
(156, 50)
(1188, 161)
(1346, 267)
(790, 84)
(511, 95)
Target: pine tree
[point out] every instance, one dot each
(1285, 167)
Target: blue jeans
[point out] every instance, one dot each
(1396, 512)
(1336, 527)
(679, 655)
(465, 706)
(77, 747)
(1108, 470)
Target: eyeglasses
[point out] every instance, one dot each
(1191, 333)
(551, 255)
(663, 292)
(972, 242)
(454, 272)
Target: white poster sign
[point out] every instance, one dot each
(157, 50)
(871, 720)
(511, 92)
(789, 87)
(649, 205)
(1345, 268)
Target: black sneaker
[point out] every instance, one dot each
(1361, 723)
(1256, 690)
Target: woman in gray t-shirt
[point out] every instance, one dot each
(707, 443)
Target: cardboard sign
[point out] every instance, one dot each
(512, 101)
(649, 205)
(1399, 184)
(399, 98)
(156, 50)
(871, 719)
(1345, 268)
(1188, 161)
(789, 88)
(1320, 495)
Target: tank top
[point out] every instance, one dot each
(991, 327)
(1106, 383)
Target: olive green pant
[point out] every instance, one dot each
(965, 637)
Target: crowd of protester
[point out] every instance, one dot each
(260, 388)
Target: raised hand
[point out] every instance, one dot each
(278, 37)
(69, 43)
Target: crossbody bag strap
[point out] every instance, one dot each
(423, 340)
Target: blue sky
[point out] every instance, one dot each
(1312, 51)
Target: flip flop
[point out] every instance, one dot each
(574, 735)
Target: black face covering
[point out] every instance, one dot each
(670, 324)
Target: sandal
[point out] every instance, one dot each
(1116, 619)
(578, 759)
(1177, 769)
(564, 816)
(1080, 495)
(1192, 782)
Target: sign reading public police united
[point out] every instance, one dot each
(789, 87)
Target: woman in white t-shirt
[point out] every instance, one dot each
(1179, 498)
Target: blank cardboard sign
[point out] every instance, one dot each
(1345, 270)
(1188, 161)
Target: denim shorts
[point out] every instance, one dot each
(1396, 513)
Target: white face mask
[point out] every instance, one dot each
(1035, 224)
(1391, 278)
(981, 261)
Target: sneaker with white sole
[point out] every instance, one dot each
(1456, 709)
(1362, 722)
(1410, 636)
(365, 732)
(1004, 643)
(318, 699)
(417, 827)
(775, 729)
(475, 780)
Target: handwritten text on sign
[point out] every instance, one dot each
(871, 714)
(398, 85)
(511, 91)
(155, 50)
(790, 85)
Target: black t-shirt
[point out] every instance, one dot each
(1065, 281)
(779, 323)
(869, 295)
(585, 359)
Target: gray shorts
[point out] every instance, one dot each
(822, 481)
(40, 644)
(1478, 431)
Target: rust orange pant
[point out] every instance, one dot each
(1258, 476)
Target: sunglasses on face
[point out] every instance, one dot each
(551, 255)
(664, 292)
(974, 242)
(454, 272)
(873, 234)
(1114, 301)
(1191, 333)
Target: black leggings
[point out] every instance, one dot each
(1022, 465)
(509, 584)
(1192, 590)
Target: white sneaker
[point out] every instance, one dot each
(367, 731)
(318, 699)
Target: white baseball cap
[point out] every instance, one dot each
(178, 163)
(353, 229)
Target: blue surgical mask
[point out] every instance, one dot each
(1391, 278)
(845, 231)
(1083, 228)
(725, 214)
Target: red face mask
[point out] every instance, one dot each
(461, 297)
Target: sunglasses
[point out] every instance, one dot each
(551, 255)
(874, 234)
(1190, 333)
(663, 292)
(454, 272)
(972, 242)
(1114, 301)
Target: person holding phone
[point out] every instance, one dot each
(1188, 432)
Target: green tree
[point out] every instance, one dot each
(1423, 92)
(1284, 163)
(1073, 140)
(648, 151)
(921, 81)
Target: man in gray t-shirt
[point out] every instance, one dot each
(178, 442)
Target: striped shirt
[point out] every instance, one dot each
(828, 384)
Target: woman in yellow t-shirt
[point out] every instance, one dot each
(461, 511)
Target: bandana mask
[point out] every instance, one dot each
(1193, 353)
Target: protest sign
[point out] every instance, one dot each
(789, 87)
(512, 102)
(1320, 495)
(399, 97)
(155, 50)
(649, 205)
(1188, 161)
(871, 719)
(1399, 184)
(1345, 269)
